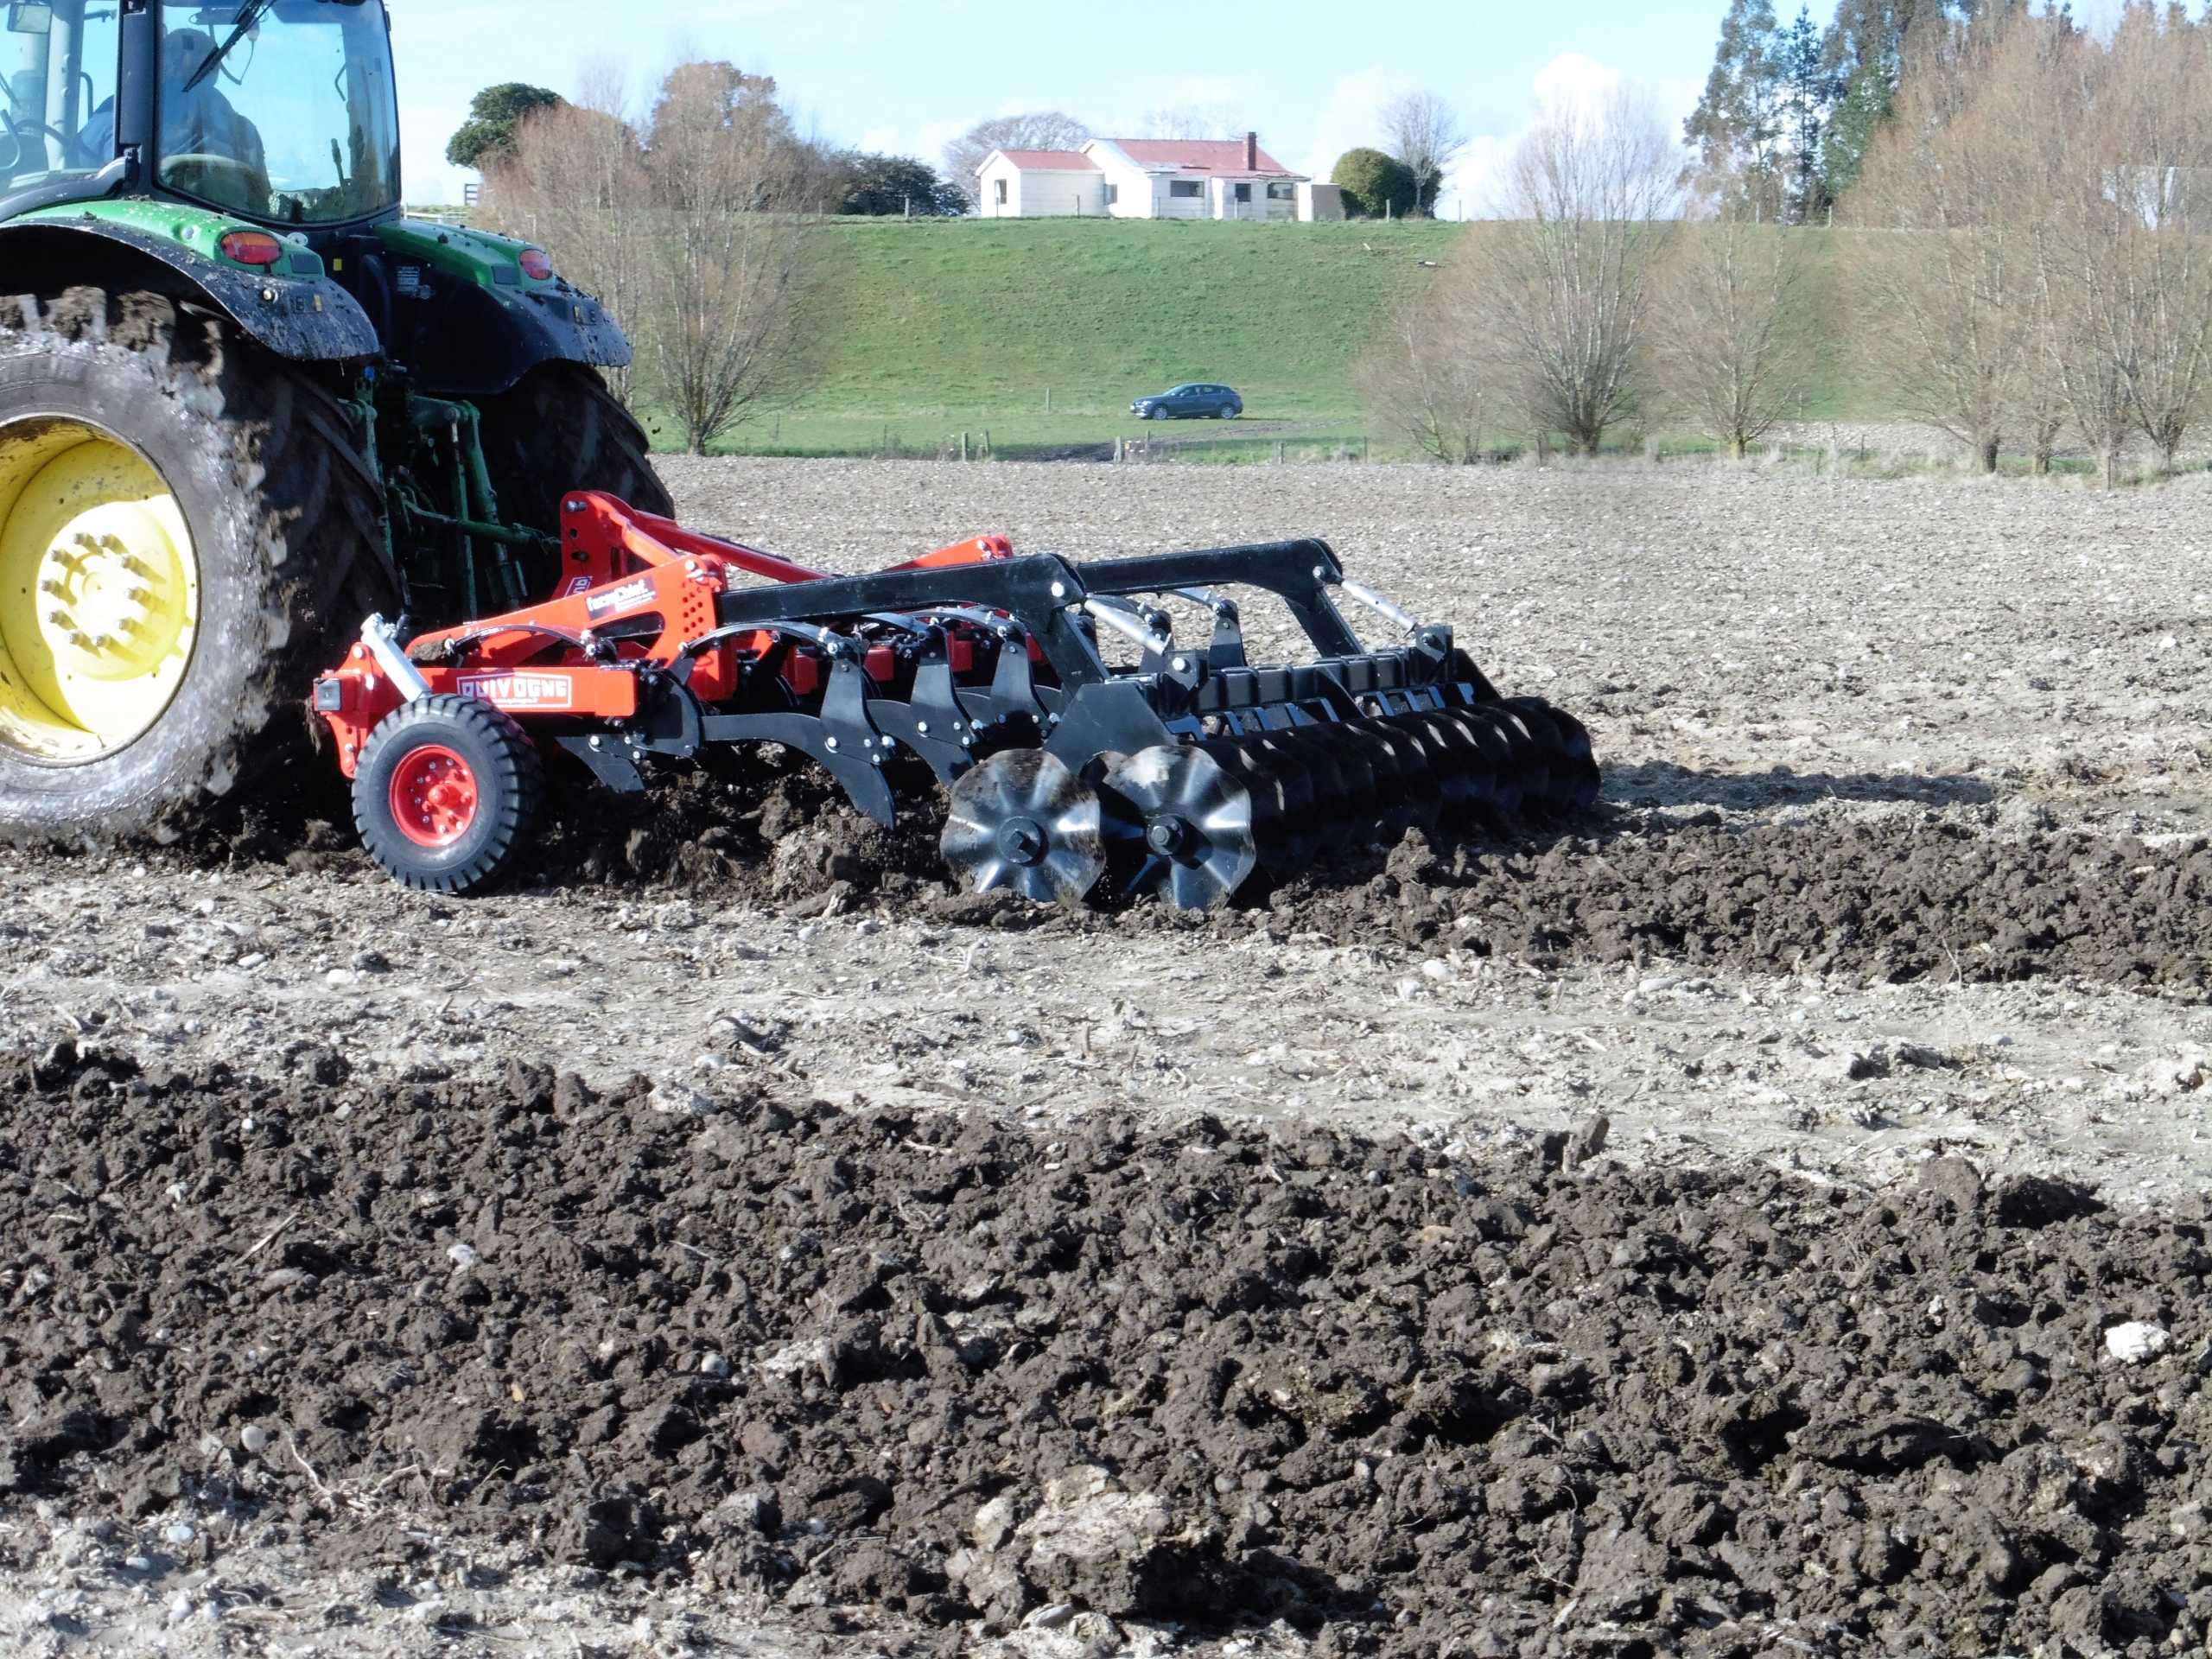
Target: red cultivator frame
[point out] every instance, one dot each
(1183, 772)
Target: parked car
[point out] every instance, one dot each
(1190, 403)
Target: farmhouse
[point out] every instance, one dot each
(1152, 178)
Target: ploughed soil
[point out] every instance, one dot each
(923, 1369)
(1895, 891)
(938, 1283)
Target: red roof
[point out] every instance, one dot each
(1222, 156)
(1050, 160)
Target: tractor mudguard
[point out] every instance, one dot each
(305, 318)
(459, 309)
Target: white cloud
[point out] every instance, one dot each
(1470, 189)
(931, 137)
(1571, 79)
(1348, 120)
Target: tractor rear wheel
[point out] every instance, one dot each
(557, 429)
(187, 536)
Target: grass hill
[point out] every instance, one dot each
(912, 331)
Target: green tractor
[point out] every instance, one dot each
(245, 402)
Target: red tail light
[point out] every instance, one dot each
(536, 265)
(252, 248)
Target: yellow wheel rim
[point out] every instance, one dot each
(99, 593)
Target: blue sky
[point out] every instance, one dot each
(905, 74)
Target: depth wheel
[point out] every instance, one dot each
(447, 792)
(1022, 820)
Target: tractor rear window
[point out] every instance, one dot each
(59, 105)
(280, 110)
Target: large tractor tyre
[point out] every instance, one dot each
(558, 429)
(187, 536)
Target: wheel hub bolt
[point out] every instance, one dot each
(1170, 835)
(1022, 841)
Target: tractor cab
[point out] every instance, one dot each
(283, 111)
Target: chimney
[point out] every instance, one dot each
(1251, 152)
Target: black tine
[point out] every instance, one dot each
(1574, 766)
(1453, 760)
(1270, 786)
(1559, 784)
(1331, 802)
(1420, 801)
(1370, 780)
(1302, 803)
(1495, 738)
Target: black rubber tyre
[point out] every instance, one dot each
(1229, 411)
(283, 517)
(447, 794)
(558, 429)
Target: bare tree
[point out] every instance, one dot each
(1039, 130)
(2157, 135)
(2029, 256)
(1432, 375)
(575, 182)
(1424, 132)
(1947, 270)
(720, 158)
(1567, 282)
(1728, 343)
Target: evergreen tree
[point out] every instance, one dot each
(493, 114)
(1736, 128)
(1865, 105)
(1809, 92)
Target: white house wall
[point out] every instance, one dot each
(1040, 193)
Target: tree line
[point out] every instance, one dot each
(2016, 214)
(684, 223)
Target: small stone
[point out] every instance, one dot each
(254, 1439)
(178, 1533)
(713, 1365)
(679, 1098)
(369, 962)
(2137, 1340)
(1050, 1618)
(462, 1255)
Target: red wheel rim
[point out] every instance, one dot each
(433, 796)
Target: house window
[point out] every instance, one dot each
(1000, 185)
(1186, 187)
(1243, 193)
(1282, 193)
(1113, 194)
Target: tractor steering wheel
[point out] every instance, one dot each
(219, 163)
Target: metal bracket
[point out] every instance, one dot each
(1113, 716)
(609, 760)
(931, 721)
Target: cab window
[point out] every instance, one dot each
(59, 109)
(279, 109)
